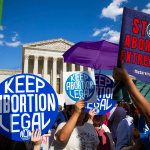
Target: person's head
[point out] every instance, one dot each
(70, 111)
(98, 120)
(126, 106)
(118, 103)
(59, 108)
(66, 107)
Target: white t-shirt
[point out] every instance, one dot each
(82, 138)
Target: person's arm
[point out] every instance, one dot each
(139, 100)
(64, 134)
(36, 139)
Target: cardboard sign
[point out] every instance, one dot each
(104, 88)
(27, 103)
(79, 85)
(134, 47)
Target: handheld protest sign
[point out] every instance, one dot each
(79, 85)
(27, 103)
(134, 46)
(104, 89)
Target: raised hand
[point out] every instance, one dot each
(36, 137)
(78, 106)
(121, 74)
(92, 113)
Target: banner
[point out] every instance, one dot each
(104, 89)
(134, 47)
(79, 85)
(27, 103)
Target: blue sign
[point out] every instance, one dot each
(134, 49)
(79, 86)
(27, 103)
(104, 88)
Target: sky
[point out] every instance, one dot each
(26, 21)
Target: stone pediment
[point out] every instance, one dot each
(56, 45)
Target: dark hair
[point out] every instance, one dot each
(64, 105)
(68, 110)
(126, 107)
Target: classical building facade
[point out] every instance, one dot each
(5, 73)
(45, 59)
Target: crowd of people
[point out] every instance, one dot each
(126, 127)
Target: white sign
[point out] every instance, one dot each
(79, 85)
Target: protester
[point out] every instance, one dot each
(115, 117)
(103, 132)
(74, 134)
(125, 132)
(60, 108)
(144, 131)
(139, 100)
(128, 137)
